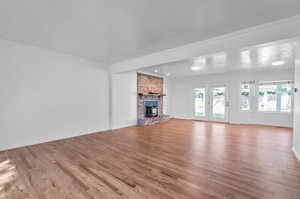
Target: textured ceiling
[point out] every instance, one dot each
(116, 30)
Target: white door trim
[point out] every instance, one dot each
(226, 117)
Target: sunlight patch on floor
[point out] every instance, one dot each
(7, 175)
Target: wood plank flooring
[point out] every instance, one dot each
(179, 159)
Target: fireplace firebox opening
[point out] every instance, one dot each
(151, 108)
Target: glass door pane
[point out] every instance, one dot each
(199, 102)
(267, 100)
(218, 102)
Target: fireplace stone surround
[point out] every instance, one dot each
(150, 88)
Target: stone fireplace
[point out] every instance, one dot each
(150, 99)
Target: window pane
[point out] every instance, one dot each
(276, 96)
(285, 97)
(245, 97)
(267, 98)
(219, 102)
(199, 102)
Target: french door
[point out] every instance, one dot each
(200, 104)
(218, 102)
(211, 103)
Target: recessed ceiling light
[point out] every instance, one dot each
(156, 71)
(278, 63)
(220, 59)
(195, 68)
(168, 74)
(245, 57)
(200, 61)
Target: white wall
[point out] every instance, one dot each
(297, 104)
(182, 96)
(46, 96)
(124, 99)
(166, 99)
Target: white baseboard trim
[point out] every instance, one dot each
(182, 118)
(240, 123)
(296, 154)
(53, 139)
(124, 126)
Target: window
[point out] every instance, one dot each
(199, 101)
(245, 97)
(275, 96)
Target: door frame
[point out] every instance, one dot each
(205, 118)
(210, 113)
(208, 103)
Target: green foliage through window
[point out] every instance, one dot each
(219, 94)
(245, 94)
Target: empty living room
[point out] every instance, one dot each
(141, 99)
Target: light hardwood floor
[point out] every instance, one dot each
(178, 159)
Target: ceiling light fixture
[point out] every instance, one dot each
(200, 61)
(156, 71)
(168, 74)
(195, 68)
(278, 63)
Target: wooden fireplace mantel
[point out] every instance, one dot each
(152, 94)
